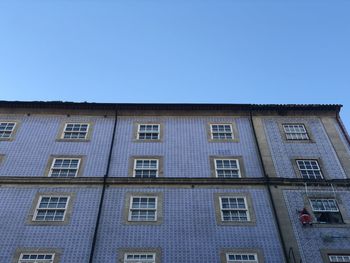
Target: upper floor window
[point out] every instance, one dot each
(65, 167)
(139, 258)
(36, 258)
(326, 210)
(227, 168)
(143, 208)
(309, 169)
(148, 132)
(242, 258)
(339, 258)
(7, 129)
(234, 209)
(51, 208)
(221, 131)
(295, 131)
(146, 168)
(75, 131)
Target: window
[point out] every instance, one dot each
(7, 129)
(139, 255)
(75, 131)
(221, 131)
(143, 208)
(335, 255)
(241, 258)
(148, 132)
(339, 258)
(139, 258)
(64, 167)
(36, 258)
(51, 208)
(146, 168)
(309, 169)
(295, 132)
(234, 209)
(326, 210)
(227, 168)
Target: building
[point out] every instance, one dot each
(173, 183)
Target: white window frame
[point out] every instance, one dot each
(309, 170)
(37, 208)
(76, 132)
(221, 132)
(246, 209)
(2, 132)
(155, 209)
(52, 167)
(238, 169)
(255, 260)
(146, 169)
(324, 210)
(22, 260)
(151, 132)
(294, 135)
(153, 260)
(328, 213)
(339, 258)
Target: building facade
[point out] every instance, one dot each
(188, 183)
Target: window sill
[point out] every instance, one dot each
(329, 225)
(237, 223)
(140, 140)
(72, 140)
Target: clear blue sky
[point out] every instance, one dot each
(217, 51)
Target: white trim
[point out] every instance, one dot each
(323, 200)
(152, 131)
(21, 259)
(221, 132)
(309, 170)
(11, 131)
(339, 257)
(295, 135)
(234, 209)
(146, 169)
(64, 158)
(37, 208)
(77, 132)
(126, 260)
(155, 209)
(255, 260)
(227, 169)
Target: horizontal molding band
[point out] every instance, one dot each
(23, 180)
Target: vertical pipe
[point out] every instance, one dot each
(93, 245)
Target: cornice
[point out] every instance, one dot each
(167, 106)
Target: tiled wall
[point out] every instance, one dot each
(35, 141)
(189, 232)
(185, 146)
(74, 238)
(283, 151)
(313, 238)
